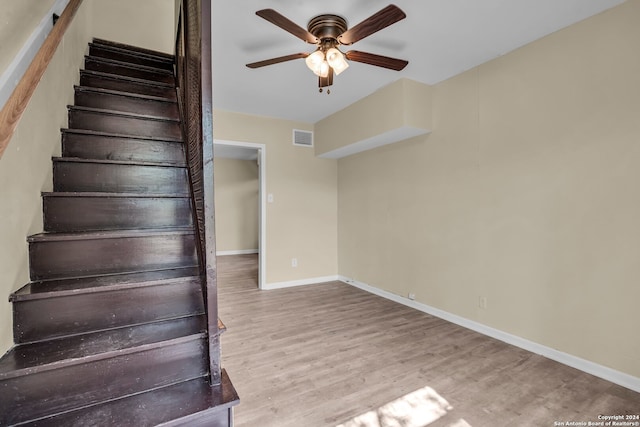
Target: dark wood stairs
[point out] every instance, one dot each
(112, 330)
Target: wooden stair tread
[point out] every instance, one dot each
(114, 211)
(126, 78)
(109, 234)
(135, 49)
(75, 286)
(106, 112)
(116, 162)
(128, 65)
(193, 401)
(90, 132)
(168, 62)
(98, 90)
(89, 194)
(121, 66)
(91, 144)
(114, 121)
(127, 100)
(26, 359)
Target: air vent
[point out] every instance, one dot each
(303, 138)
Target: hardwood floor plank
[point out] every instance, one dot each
(322, 355)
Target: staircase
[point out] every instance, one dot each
(112, 329)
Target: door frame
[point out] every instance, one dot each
(262, 206)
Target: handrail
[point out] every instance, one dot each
(194, 80)
(19, 99)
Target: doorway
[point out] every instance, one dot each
(241, 160)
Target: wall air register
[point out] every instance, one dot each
(303, 138)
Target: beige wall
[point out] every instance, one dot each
(302, 220)
(17, 22)
(144, 23)
(25, 167)
(237, 204)
(411, 115)
(525, 193)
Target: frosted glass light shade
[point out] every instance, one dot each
(336, 60)
(317, 64)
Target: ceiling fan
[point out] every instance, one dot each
(328, 32)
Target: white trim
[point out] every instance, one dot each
(262, 223)
(238, 252)
(16, 69)
(587, 366)
(301, 282)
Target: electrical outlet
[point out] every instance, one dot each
(412, 296)
(294, 262)
(482, 302)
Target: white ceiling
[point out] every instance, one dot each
(439, 38)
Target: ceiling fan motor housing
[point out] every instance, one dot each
(327, 26)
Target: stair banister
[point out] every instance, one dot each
(193, 74)
(17, 103)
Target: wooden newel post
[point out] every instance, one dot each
(193, 69)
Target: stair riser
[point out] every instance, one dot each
(124, 85)
(76, 258)
(41, 319)
(122, 70)
(124, 125)
(130, 57)
(218, 418)
(177, 405)
(119, 178)
(134, 49)
(99, 213)
(67, 388)
(114, 148)
(127, 104)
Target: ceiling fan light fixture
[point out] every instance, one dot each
(336, 60)
(328, 32)
(316, 63)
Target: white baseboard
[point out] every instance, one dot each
(301, 282)
(238, 252)
(587, 366)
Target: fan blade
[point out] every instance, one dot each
(376, 22)
(277, 60)
(277, 19)
(377, 60)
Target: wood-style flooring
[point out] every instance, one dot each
(331, 354)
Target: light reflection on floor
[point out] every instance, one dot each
(417, 409)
